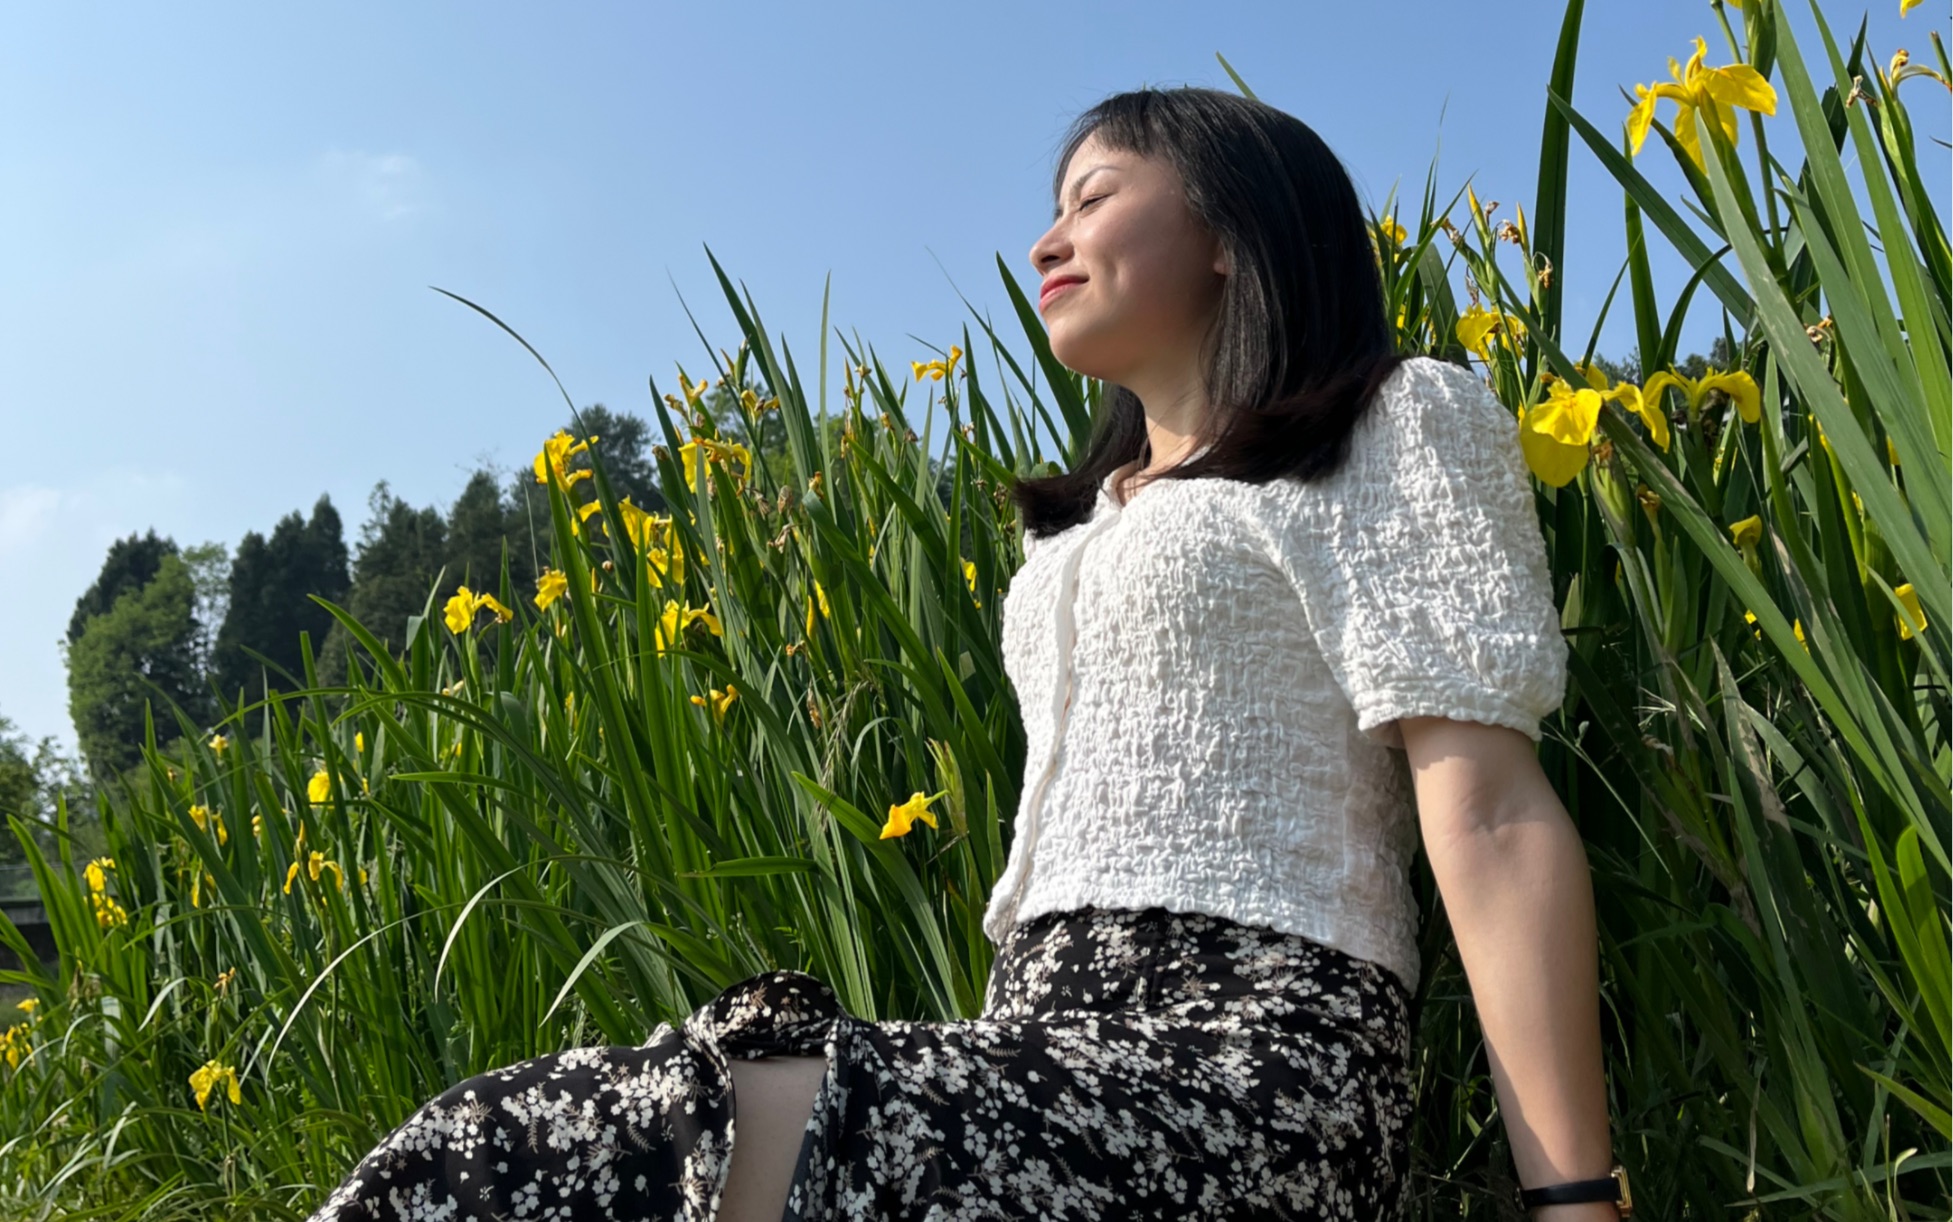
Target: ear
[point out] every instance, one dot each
(1222, 265)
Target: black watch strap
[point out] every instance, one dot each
(1610, 1188)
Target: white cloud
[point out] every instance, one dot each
(387, 186)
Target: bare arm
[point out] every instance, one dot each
(1514, 877)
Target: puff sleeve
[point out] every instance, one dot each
(1421, 566)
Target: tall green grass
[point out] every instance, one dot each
(570, 826)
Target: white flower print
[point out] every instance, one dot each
(1126, 1064)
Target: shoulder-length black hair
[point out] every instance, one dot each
(1300, 344)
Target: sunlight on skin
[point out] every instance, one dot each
(1518, 891)
(1151, 277)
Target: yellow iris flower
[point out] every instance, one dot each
(14, 1044)
(488, 602)
(1693, 88)
(656, 537)
(719, 701)
(554, 459)
(459, 613)
(202, 815)
(638, 525)
(1628, 395)
(219, 744)
(108, 912)
(1738, 385)
(675, 618)
(1478, 326)
(1914, 620)
(316, 864)
(1748, 532)
(1556, 435)
(822, 596)
(1796, 627)
(937, 370)
(901, 819)
(715, 451)
(550, 586)
(209, 1077)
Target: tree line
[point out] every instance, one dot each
(207, 629)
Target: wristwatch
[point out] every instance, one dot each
(1614, 1187)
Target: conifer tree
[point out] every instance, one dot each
(131, 564)
(270, 584)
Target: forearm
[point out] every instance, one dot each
(1519, 894)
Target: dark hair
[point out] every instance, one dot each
(1300, 343)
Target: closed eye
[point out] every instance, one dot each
(1055, 214)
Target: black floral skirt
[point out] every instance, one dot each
(1128, 1064)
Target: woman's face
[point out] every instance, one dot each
(1151, 274)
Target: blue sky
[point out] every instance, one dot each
(223, 219)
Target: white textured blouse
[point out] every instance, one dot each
(1210, 675)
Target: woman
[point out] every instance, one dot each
(1329, 627)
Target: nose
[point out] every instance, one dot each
(1049, 249)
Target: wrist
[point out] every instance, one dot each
(1579, 1199)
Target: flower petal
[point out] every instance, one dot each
(1741, 85)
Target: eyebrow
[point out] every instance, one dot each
(1079, 182)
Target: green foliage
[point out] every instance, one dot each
(21, 787)
(402, 550)
(131, 564)
(268, 603)
(568, 827)
(141, 650)
(20, 781)
(479, 525)
(34, 776)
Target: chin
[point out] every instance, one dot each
(1086, 358)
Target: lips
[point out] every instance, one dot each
(1052, 286)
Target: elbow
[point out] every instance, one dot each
(1471, 779)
